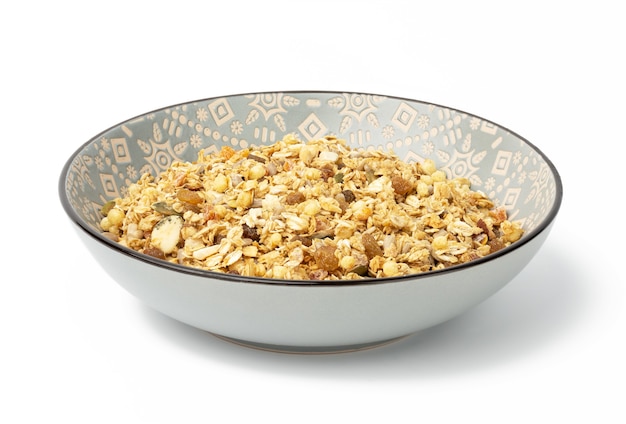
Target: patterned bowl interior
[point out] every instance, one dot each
(499, 163)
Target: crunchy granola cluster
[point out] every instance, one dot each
(308, 211)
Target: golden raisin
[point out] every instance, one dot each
(294, 198)
(496, 244)
(401, 185)
(189, 196)
(372, 248)
(325, 258)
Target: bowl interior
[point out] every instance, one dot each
(498, 162)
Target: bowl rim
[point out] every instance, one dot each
(89, 230)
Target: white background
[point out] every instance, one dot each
(548, 348)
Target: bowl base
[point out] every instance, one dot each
(308, 350)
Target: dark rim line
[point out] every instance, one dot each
(261, 280)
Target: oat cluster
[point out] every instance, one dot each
(308, 211)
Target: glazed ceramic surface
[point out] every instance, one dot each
(313, 316)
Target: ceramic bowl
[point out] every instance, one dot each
(323, 316)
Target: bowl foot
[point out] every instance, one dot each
(308, 350)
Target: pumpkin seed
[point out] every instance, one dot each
(107, 207)
(164, 208)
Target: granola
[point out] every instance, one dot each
(308, 211)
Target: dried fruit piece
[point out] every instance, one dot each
(155, 252)
(250, 233)
(294, 198)
(166, 233)
(189, 196)
(305, 240)
(372, 249)
(401, 185)
(348, 195)
(325, 258)
(327, 172)
(308, 240)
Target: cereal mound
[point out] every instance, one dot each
(308, 211)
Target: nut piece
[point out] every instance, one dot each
(166, 233)
(308, 153)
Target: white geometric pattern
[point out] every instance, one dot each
(220, 111)
(404, 116)
(312, 127)
(462, 145)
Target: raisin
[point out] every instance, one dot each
(155, 252)
(189, 196)
(401, 186)
(348, 195)
(250, 233)
(325, 258)
(294, 198)
(496, 244)
(372, 248)
(305, 240)
(483, 226)
(327, 172)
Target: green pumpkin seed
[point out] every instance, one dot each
(360, 270)
(164, 208)
(107, 207)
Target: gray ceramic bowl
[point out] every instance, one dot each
(313, 316)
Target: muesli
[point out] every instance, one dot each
(318, 210)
